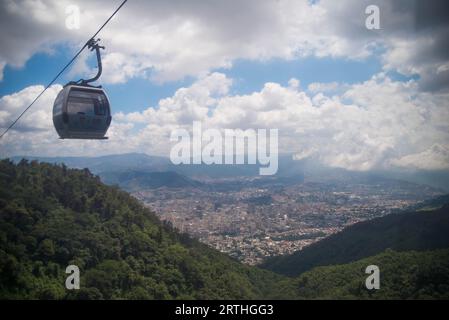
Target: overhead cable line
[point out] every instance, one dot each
(63, 69)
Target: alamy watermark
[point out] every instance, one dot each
(72, 282)
(373, 280)
(372, 21)
(228, 146)
(72, 21)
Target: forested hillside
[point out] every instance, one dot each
(403, 275)
(52, 217)
(420, 230)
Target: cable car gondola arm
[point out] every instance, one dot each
(92, 44)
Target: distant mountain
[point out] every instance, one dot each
(287, 167)
(422, 230)
(144, 162)
(140, 180)
(307, 169)
(434, 178)
(117, 162)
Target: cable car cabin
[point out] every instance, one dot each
(81, 112)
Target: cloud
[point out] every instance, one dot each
(39, 116)
(377, 124)
(169, 40)
(28, 27)
(434, 158)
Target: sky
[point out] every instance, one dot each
(338, 92)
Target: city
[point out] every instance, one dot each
(265, 217)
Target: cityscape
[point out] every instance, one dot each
(260, 218)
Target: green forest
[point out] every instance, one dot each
(52, 216)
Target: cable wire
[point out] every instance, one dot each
(63, 69)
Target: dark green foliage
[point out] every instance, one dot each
(422, 230)
(403, 275)
(52, 217)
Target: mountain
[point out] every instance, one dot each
(108, 163)
(311, 169)
(420, 230)
(403, 275)
(52, 216)
(145, 163)
(141, 180)
(435, 178)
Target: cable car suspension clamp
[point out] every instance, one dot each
(92, 44)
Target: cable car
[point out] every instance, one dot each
(82, 111)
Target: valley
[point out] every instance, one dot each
(54, 216)
(251, 219)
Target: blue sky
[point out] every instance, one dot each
(139, 93)
(134, 95)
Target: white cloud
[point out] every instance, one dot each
(376, 124)
(434, 158)
(169, 40)
(39, 116)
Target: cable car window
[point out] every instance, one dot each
(58, 104)
(57, 109)
(101, 105)
(87, 103)
(81, 105)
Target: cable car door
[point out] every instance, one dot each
(80, 110)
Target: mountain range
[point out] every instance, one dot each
(112, 166)
(53, 216)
